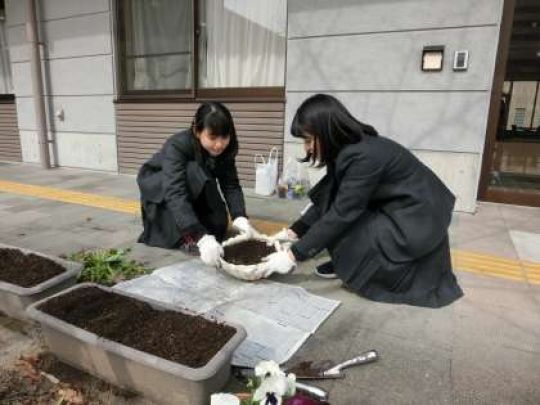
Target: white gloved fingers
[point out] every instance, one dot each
(268, 257)
(278, 262)
(285, 235)
(263, 271)
(210, 260)
(210, 250)
(285, 246)
(280, 236)
(242, 225)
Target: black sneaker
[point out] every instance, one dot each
(326, 270)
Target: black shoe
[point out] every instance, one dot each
(326, 270)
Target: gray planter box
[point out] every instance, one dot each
(160, 380)
(14, 299)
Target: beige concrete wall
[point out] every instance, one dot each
(78, 70)
(368, 53)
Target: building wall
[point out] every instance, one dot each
(78, 70)
(144, 127)
(368, 53)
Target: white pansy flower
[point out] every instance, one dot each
(271, 390)
(274, 387)
(268, 368)
(224, 399)
(291, 384)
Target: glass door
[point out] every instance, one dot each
(515, 166)
(512, 161)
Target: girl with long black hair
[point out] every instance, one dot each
(181, 204)
(382, 214)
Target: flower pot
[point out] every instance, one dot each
(161, 380)
(14, 299)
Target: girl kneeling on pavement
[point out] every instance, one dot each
(382, 214)
(181, 204)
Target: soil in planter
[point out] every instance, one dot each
(26, 270)
(186, 339)
(42, 379)
(248, 252)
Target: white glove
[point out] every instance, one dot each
(285, 235)
(242, 225)
(278, 262)
(210, 250)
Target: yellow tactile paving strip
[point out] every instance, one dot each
(72, 197)
(477, 263)
(485, 264)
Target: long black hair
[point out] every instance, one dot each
(332, 125)
(217, 119)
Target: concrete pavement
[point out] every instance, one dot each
(485, 348)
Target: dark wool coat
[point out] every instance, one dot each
(172, 185)
(384, 217)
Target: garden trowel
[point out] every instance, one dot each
(316, 370)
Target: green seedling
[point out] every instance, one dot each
(107, 266)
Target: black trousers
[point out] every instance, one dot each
(160, 228)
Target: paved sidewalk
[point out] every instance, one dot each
(485, 348)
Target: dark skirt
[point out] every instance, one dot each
(427, 281)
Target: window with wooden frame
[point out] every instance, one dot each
(6, 82)
(201, 49)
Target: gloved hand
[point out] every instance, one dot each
(242, 225)
(210, 250)
(285, 235)
(278, 262)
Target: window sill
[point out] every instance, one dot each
(243, 95)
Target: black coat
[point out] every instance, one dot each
(173, 180)
(384, 217)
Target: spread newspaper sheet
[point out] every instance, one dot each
(278, 317)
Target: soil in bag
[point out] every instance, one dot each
(248, 252)
(190, 340)
(26, 270)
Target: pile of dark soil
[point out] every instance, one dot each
(186, 339)
(42, 379)
(248, 252)
(26, 270)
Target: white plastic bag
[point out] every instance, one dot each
(266, 172)
(294, 182)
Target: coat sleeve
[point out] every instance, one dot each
(230, 186)
(174, 168)
(308, 218)
(359, 175)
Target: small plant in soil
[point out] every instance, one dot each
(187, 339)
(107, 267)
(26, 270)
(248, 252)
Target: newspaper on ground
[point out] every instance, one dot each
(278, 317)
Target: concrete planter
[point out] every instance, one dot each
(160, 380)
(14, 299)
